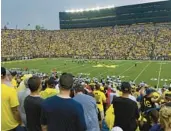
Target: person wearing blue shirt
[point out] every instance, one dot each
(62, 113)
(89, 107)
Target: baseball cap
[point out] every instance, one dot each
(149, 91)
(125, 87)
(66, 81)
(3, 71)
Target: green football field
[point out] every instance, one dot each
(152, 72)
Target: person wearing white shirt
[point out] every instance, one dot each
(132, 98)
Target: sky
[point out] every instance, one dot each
(20, 13)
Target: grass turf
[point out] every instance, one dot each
(152, 72)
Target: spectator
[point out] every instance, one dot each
(21, 96)
(100, 99)
(89, 107)
(113, 94)
(154, 120)
(126, 119)
(9, 110)
(14, 82)
(148, 101)
(50, 90)
(168, 98)
(165, 118)
(132, 97)
(32, 104)
(8, 78)
(62, 113)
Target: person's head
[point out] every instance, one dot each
(163, 89)
(8, 75)
(78, 87)
(165, 117)
(14, 74)
(92, 87)
(168, 97)
(66, 81)
(97, 86)
(51, 82)
(149, 92)
(3, 73)
(133, 89)
(34, 84)
(125, 87)
(169, 88)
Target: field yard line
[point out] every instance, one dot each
(142, 71)
(126, 70)
(158, 81)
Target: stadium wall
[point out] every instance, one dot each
(156, 12)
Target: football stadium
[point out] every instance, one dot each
(82, 77)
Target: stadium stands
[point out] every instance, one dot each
(145, 41)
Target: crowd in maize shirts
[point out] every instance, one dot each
(66, 103)
(147, 41)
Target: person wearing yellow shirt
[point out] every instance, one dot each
(14, 82)
(10, 118)
(100, 99)
(50, 90)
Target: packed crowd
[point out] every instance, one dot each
(37, 102)
(141, 42)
